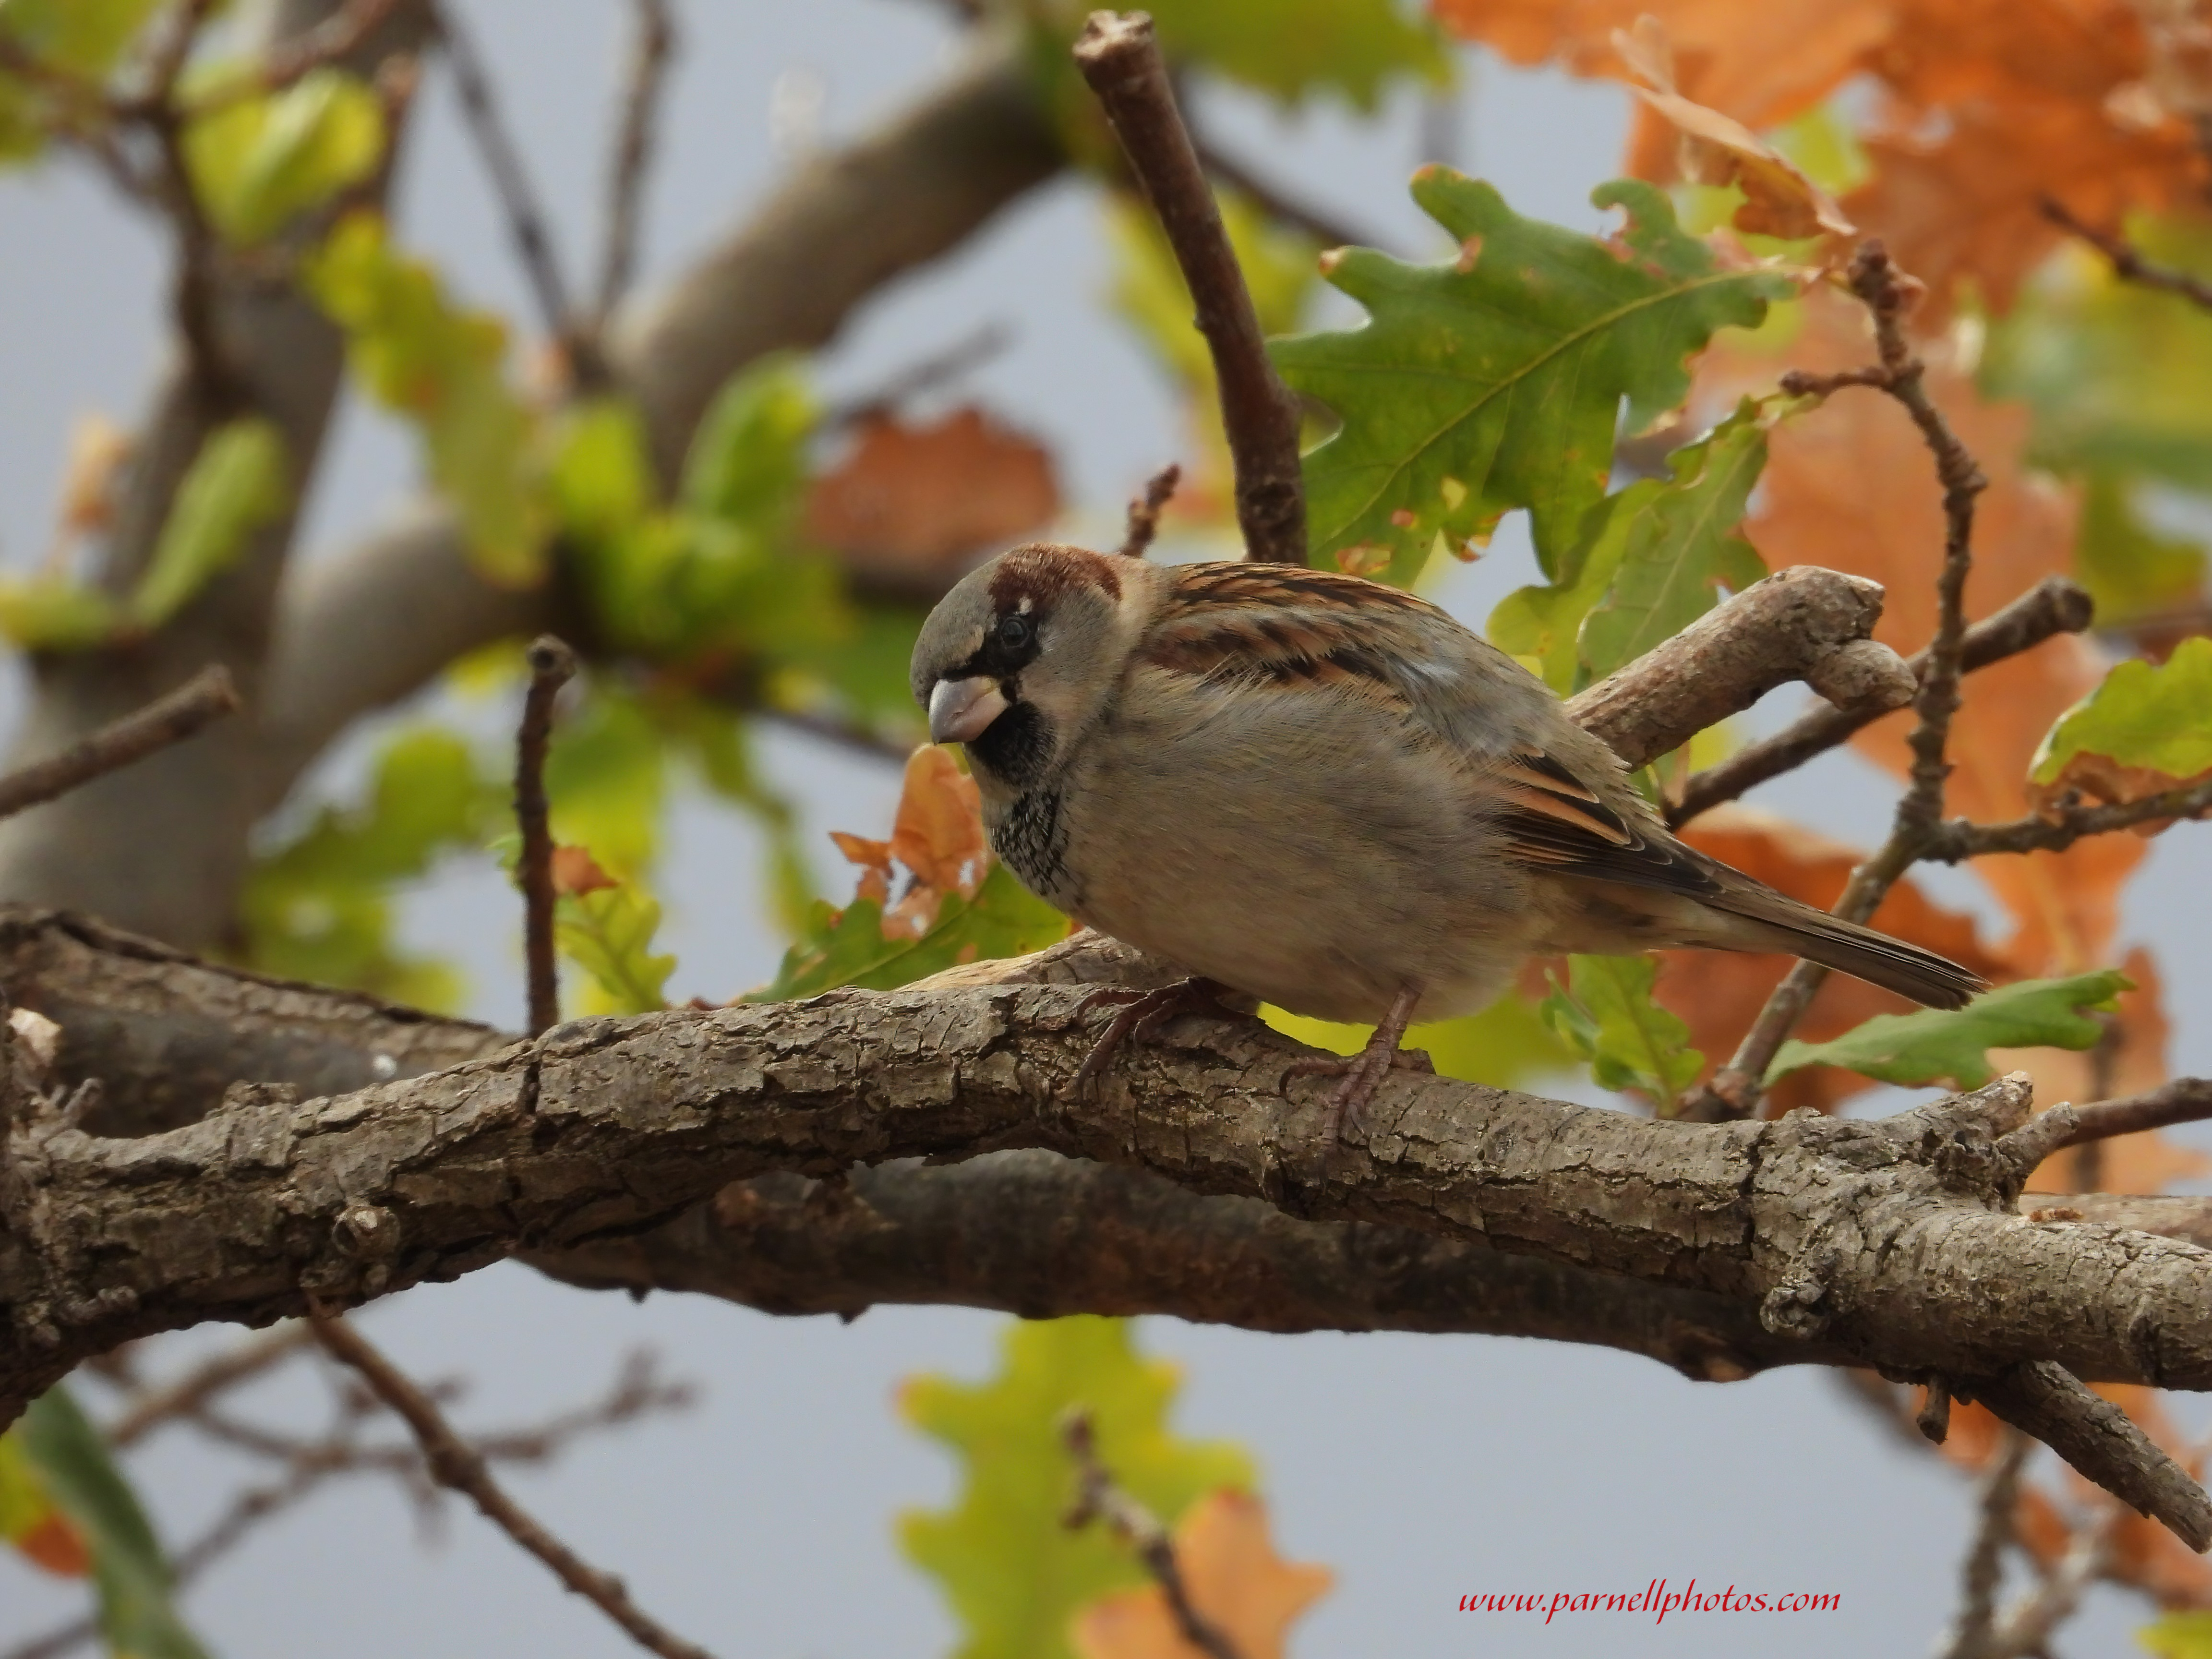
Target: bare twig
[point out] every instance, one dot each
(2185, 1100)
(198, 702)
(200, 1385)
(2053, 605)
(1270, 200)
(551, 666)
(652, 45)
(1933, 1420)
(1958, 840)
(1121, 61)
(2128, 262)
(526, 222)
(1145, 510)
(2026, 1629)
(1888, 294)
(457, 1465)
(935, 370)
(2101, 1441)
(1098, 1499)
(1983, 1569)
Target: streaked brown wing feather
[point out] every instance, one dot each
(1553, 818)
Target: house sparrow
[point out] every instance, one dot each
(1322, 793)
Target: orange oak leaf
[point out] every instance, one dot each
(1234, 1580)
(1718, 994)
(916, 499)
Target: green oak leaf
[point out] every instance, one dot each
(608, 933)
(1940, 1046)
(1605, 1014)
(238, 482)
(1012, 1571)
(319, 907)
(135, 1584)
(1496, 380)
(53, 613)
(848, 947)
(2156, 716)
(1650, 562)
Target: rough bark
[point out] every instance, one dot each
(1880, 1238)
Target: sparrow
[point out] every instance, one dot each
(1322, 793)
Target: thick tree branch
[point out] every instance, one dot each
(1875, 1236)
(1120, 59)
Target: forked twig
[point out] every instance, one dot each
(652, 45)
(455, 1464)
(1098, 1499)
(1888, 296)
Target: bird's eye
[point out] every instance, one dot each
(1015, 631)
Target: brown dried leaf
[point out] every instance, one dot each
(1235, 1579)
(861, 850)
(918, 499)
(938, 832)
(98, 449)
(576, 872)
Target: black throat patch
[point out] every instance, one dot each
(1032, 840)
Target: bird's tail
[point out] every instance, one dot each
(1931, 981)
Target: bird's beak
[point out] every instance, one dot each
(960, 711)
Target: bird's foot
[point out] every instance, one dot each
(1142, 1012)
(1362, 1073)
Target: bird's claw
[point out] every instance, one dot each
(1140, 1013)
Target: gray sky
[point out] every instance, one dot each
(1419, 1468)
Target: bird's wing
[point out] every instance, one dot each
(1564, 803)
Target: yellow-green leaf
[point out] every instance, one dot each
(1936, 1046)
(238, 482)
(443, 368)
(256, 161)
(1508, 1045)
(1605, 1012)
(2157, 717)
(848, 947)
(2179, 1635)
(52, 613)
(1013, 1572)
(608, 933)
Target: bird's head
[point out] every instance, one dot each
(1019, 658)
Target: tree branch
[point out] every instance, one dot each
(190, 708)
(653, 43)
(2053, 605)
(2128, 262)
(1122, 62)
(1098, 1499)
